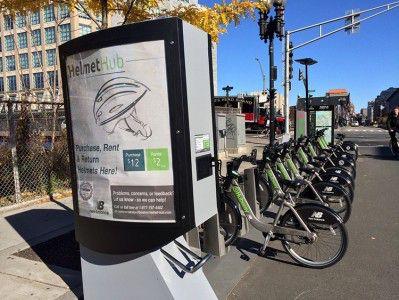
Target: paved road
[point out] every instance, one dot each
(367, 136)
(370, 267)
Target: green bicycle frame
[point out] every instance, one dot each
(312, 151)
(323, 138)
(273, 180)
(283, 171)
(321, 144)
(302, 156)
(291, 166)
(241, 199)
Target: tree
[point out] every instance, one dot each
(213, 20)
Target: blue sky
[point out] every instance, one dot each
(364, 63)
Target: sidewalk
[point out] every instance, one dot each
(33, 273)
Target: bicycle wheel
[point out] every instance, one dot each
(337, 198)
(264, 195)
(229, 220)
(331, 240)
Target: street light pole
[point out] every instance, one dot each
(286, 135)
(272, 93)
(308, 133)
(353, 21)
(307, 62)
(268, 27)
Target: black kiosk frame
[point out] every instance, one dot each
(115, 237)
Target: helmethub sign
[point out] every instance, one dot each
(121, 131)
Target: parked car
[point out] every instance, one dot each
(355, 124)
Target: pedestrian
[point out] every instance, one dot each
(393, 127)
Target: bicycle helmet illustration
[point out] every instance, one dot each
(115, 105)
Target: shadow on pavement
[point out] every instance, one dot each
(244, 244)
(59, 253)
(382, 153)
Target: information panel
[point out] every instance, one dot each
(121, 133)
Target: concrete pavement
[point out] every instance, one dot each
(34, 278)
(369, 269)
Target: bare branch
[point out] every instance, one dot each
(132, 2)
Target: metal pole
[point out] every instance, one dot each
(387, 7)
(286, 136)
(271, 89)
(308, 133)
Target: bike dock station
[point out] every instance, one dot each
(150, 201)
(145, 94)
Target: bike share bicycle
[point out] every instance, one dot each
(294, 212)
(312, 234)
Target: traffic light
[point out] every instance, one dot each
(279, 9)
(272, 94)
(263, 24)
(353, 20)
(301, 77)
(291, 61)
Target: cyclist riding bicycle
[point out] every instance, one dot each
(393, 127)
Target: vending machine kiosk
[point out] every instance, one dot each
(141, 137)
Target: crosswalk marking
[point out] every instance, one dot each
(363, 130)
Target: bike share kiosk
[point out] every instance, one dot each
(141, 140)
(322, 116)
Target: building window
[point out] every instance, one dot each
(8, 23)
(1, 84)
(51, 79)
(38, 79)
(63, 11)
(22, 40)
(10, 62)
(65, 32)
(50, 57)
(9, 42)
(23, 61)
(50, 35)
(25, 81)
(84, 29)
(0, 45)
(1, 64)
(12, 83)
(20, 20)
(36, 38)
(35, 17)
(49, 13)
(82, 14)
(37, 61)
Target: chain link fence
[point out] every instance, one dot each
(33, 153)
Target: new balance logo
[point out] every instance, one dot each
(328, 189)
(317, 215)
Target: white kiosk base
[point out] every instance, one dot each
(149, 276)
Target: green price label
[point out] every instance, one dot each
(206, 144)
(157, 159)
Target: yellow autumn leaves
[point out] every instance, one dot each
(213, 20)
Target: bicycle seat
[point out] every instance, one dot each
(309, 168)
(295, 183)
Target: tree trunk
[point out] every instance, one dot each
(104, 14)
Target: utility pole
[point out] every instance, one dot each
(268, 27)
(352, 25)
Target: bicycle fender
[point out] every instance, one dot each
(236, 209)
(316, 213)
